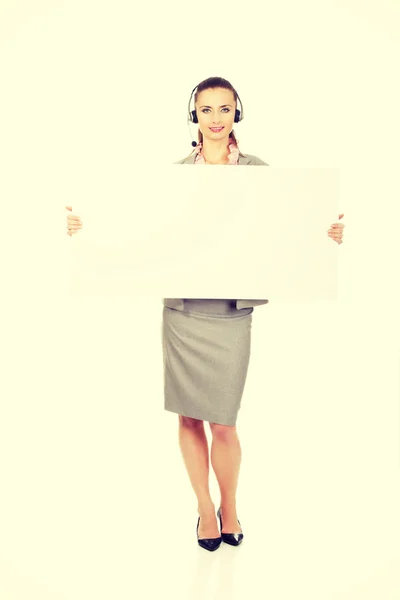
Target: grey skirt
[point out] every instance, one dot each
(206, 352)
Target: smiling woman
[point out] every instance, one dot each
(206, 342)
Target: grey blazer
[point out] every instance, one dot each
(178, 303)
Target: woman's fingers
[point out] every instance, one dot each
(72, 231)
(74, 221)
(336, 232)
(74, 224)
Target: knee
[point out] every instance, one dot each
(190, 423)
(225, 433)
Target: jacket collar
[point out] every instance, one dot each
(243, 160)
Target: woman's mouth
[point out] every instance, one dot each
(216, 129)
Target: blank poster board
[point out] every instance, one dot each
(202, 231)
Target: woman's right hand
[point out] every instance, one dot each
(74, 223)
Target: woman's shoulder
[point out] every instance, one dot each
(251, 159)
(187, 160)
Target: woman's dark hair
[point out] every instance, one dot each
(212, 83)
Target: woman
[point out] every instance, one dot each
(206, 343)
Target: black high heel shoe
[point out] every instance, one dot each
(210, 544)
(234, 539)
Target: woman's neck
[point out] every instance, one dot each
(215, 153)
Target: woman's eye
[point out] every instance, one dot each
(204, 109)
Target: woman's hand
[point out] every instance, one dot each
(336, 231)
(74, 223)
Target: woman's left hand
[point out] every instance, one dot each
(336, 231)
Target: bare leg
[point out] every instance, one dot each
(194, 448)
(226, 456)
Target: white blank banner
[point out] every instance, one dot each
(189, 231)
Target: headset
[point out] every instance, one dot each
(192, 116)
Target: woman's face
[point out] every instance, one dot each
(216, 108)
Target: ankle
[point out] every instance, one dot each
(206, 506)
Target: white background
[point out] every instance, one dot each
(94, 491)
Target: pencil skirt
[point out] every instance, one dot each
(206, 352)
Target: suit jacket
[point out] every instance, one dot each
(178, 303)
